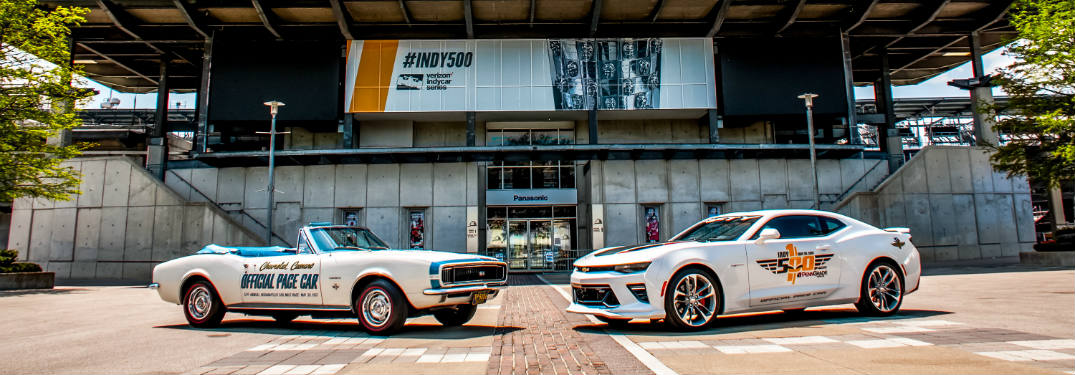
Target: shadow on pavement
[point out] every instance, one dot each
(27, 292)
(765, 321)
(980, 269)
(337, 328)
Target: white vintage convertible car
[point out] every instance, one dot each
(749, 261)
(334, 271)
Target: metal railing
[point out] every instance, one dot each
(561, 260)
(243, 212)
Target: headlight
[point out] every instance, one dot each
(632, 267)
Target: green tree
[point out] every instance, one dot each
(37, 99)
(1041, 87)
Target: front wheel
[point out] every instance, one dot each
(693, 300)
(201, 305)
(381, 309)
(455, 317)
(881, 293)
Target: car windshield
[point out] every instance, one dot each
(346, 238)
(721, 228)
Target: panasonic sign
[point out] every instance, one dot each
(530, 197)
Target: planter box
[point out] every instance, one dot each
(1048, 258)
(27, 280)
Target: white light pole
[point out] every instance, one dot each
(274, 108)
(808, 98)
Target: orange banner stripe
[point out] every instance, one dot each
(374, 76)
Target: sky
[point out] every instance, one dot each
(935, 87)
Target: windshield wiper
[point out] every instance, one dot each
(349, 248)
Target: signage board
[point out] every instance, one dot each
(523, 197)
(529, 75)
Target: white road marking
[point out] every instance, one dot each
(1046, 344)
(640, 354)
(800, 340)
(430, 358)
(744, 349)
(1027, 355)
(672, 345)
(261, 347)
(888, 343)
(898, 329)
(452, 358)
(302, 370)
(929, 323)
(328, 369)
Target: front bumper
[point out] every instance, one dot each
(629, 306)
(465, 293)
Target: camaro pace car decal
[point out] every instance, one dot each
(796, 264)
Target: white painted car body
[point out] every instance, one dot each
(750, 273)
(309, 280)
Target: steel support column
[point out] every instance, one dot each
(471, 125)
(349, 138)
(201, 137)
(714, 123)
(981, 98)
(888, 136)
(157, 149)
(592, 123)
(849, 89)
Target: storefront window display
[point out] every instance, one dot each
(417, 229)
(652, 222)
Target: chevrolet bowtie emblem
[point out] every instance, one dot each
(335, 285)
(897, 243)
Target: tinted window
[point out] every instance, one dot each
(796, 226)
(723, 228)
(829, 225)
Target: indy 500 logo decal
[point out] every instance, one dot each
(797, 264)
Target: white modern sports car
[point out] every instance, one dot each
(749, 261)
(335, 271)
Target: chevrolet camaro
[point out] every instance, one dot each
(334, 271)
(749, 261)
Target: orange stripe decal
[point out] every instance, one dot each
(374, 76)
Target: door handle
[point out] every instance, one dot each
(824, 248)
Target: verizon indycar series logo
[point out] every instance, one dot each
(797, 264)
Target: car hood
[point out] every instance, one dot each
(632, 254)
(427, 255)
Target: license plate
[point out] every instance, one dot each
(479, 297)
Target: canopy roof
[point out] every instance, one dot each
(126, 39)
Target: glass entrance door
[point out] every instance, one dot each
(532, 237)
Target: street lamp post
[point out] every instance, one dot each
(274, 108)
(808, 98)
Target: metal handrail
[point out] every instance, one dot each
(853, 185)
(241, 211)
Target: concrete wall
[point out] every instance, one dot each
(670, 131)
(957, 206)
(683, 188)
(383, 194)
(122, 224)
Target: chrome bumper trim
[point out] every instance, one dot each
(153, 286)
(465, 289)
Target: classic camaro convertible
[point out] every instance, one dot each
(749, 261)
(334, 271)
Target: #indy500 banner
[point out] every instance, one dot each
(529, 75)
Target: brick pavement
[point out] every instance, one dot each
(536, 336)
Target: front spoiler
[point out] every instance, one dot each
(633, 311)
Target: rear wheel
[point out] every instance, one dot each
(202, 306)
(381, 308)
(693, 300)
(881, 293)
(456, 317)
(613, 322)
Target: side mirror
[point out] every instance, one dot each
(767, 234)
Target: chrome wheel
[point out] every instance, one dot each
(884, 289)
(376, 307)
(199, 302)
(695, 300)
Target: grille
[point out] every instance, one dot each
(473, 274)
(595, 295)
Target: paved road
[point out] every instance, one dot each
(973, 320)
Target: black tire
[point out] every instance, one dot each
(613, 322)
(202, 306)
(876, 298)
(381, 308)
(457, 316)
(283, 318)
(697, 321)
